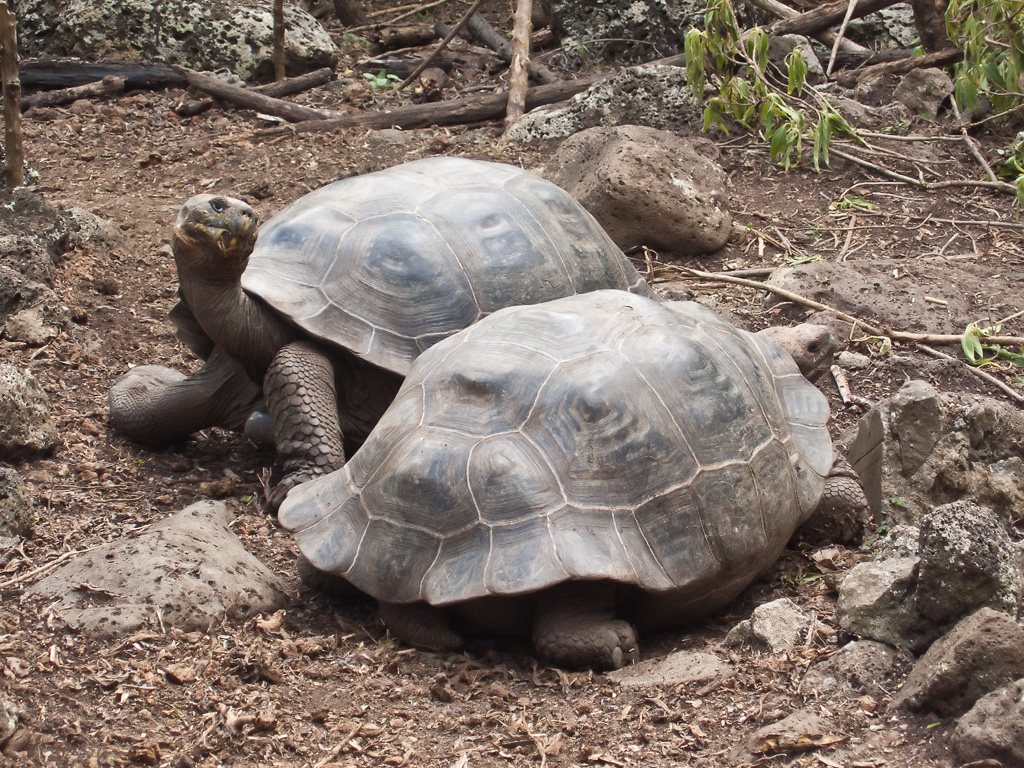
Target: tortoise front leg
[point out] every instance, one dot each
(575, 626)
(157, 406)
(303, 405)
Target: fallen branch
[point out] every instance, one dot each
(48, 74)
(481, 29)
(246, 98)
(470, 109)
(14, 152)
(782, 11)
(902, 66)
(106, 87)
(1000, 186)
(297, 84)
(824, 16)
(976, 371)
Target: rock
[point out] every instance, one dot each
(189, 571)
(923, 91)
(800, 730)
(876, 602)
(25, 424)
(8, 720)
(967, 561)
(994, 728)
(204, 36)
(916, 423)
(646, 187)
(635, 30)
(681, 667)
(981, 653)
(40, 323)
(779, 625)
(16, 511)
(859, 667)
(656, 96)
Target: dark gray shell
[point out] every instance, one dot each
(600, 436)
(389, 263)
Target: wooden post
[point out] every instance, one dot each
(13, 146)
(519, 71)
(277, 56)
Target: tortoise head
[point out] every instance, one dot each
(810, 345)
(214, 236)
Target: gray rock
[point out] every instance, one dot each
(980, 654)
(967, 561)
(189, 571)
(994, 728)
(876, 602)
(916, 423)
(654, 95)
(40, 323)
(646, 187)
(793, 732)
(16, 510)
(923, 91)
(8, 719)
(860, 667)
(630, 30)
(205, 36)
(779, 625)
(681, 667)
(25, 424)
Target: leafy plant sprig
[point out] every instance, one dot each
(382, 79)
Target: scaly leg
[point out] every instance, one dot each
(575, 626)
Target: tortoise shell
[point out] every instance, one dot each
(600, 436)
(389, 263)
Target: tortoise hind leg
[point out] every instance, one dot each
(575, 626)
(302, 401)
(420, 624)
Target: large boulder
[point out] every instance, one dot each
(625, 30)
(983, 652)
(188, 571)
(646, 187)
(205, 36)
(994, 728)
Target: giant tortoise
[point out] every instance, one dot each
(344, 289)
(574, 469)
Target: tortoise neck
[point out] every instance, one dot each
(243, 326)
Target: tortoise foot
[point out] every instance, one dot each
(575, 626)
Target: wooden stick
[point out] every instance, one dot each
(296, 84)
(479, 27)
(107, 86)
(519, 70)
(442, 45)
(783, 11)
(14, 148)
(840, 35)
(825, 16)
(248, 99)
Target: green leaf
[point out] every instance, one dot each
(796, 70)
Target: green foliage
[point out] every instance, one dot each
(991, 34)
(747, 94)
(1011, 168)
(352, 42)
(382, 79)
(978, 352)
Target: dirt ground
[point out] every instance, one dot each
(323, 684)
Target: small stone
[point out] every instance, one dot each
(993, 729)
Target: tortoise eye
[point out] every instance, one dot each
(217, 205)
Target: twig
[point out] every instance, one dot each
(1006, 388)
(1001, 186)
(840, 36)
(411, 10)
(441, 46)
(917, 338)
(972, 146)
(46, 567)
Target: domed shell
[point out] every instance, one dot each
(600, 436)
(389, 263)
